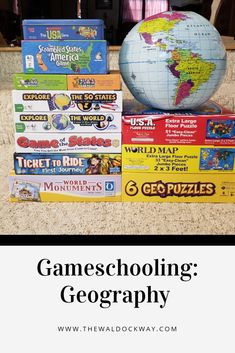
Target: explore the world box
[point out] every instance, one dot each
(67, 164)
(63, 29)
(111, 81)
(178, 159)
(156, 187)
(64, 188)
(73, 101)
(211, 124)
(67, 122)
(69, 142)
(39, 81)
(65, 57)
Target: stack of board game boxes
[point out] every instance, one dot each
(67, 114)
(178, 156)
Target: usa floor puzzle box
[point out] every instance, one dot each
(67, 122)
(211, 124)
(65, 57)
(75, 101)
(64, 188)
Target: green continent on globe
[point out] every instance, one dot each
(84, 60)
(191, 71)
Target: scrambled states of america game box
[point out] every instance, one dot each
(65, 57)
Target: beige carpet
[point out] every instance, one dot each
(99, 218)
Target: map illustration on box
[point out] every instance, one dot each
(65, 57)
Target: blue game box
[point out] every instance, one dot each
(63, 29)
(67, 164)
(65, 57)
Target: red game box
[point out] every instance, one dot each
(210, 124)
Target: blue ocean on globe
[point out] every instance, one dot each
(173, 60)
(60, 122)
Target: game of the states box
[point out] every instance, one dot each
(68, 142)
(73, 101)
(156, 187)
(210, 124)
(64, 188)
(178, 159)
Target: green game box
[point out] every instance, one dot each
(39, 81)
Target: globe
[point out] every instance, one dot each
(60, 121)
(173, 60)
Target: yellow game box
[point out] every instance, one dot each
(154, 187)
(64, 188)
(177, 159)
(111, 81)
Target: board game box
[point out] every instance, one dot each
(156, 187)
(177, 159)
(111, 81)
(75, 101)
(69, 142)
(39, 81)
(215, 130)
(67, 164)
(65, 57)
(64, 188)
(67, 122)
(53, 29)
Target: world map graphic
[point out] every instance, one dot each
(173, 60)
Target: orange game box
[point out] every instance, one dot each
(111, 81)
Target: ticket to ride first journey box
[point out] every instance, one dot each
(74, 101)
(155, 187)
(211, 124)
(65, 57)
(58, 29)
(67, 163)
(64, 188)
